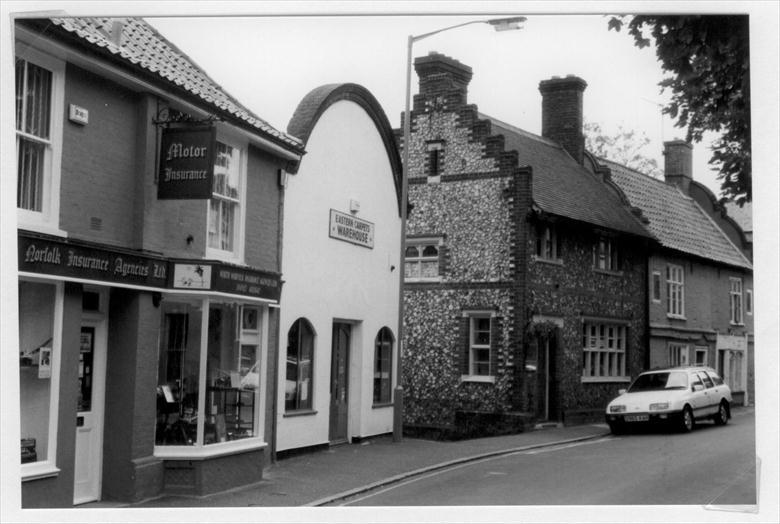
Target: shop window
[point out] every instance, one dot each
(421, 261)
(603, 351)
(675, 291)
(383, 362)
(735, 300)
(40, 320)
(605, 255)
(225, 206)
(300, 360)
(232, 375)
(548, 245)
(39, 101)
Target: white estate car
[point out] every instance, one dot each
(677, 396)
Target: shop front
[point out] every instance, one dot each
(139, 375)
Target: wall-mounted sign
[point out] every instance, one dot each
(71, 259)
(186, 163)
(78, 114)
(191, 276)
(45, 255)
(351, 229)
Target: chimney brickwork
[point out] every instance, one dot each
(443, 82)
(678, 164)
(562, 113)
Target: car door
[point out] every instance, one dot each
(711, 399)
(698, 397)
(720, 389)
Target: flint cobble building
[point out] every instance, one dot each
(525, 272)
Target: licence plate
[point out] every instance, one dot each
(637, 418)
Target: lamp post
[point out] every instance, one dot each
(499, 24)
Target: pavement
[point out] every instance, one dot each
(322, 477)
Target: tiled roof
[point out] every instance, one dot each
(143, 47)
(563, 187)
(743, 216)
(676, 220)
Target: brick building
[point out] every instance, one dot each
(700, 304)
(148, 287)
(525, 274)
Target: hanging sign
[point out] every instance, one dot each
(186, 163)
(351, 229)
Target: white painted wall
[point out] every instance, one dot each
(327, 279)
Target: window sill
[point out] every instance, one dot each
(381, 405)
(655, 300)
(299, 413)
(415, 280)
(608, 272)
(551, 261)
(209, 451)
(39, 470)
(676, 317)
(41, 227)
(591, 380)
(737, 324)
(478, 378)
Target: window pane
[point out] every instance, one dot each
(430, 251)
(232, 378)
(37, 101)
(178, 374)
(300, 351)
(382, 369)
(429, 269)
(411, 251)
(411, 269)
(36, 325)
(30, 157)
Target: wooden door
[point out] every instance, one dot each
(339, 382)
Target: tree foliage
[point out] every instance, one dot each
(707, 58)
(624, 147)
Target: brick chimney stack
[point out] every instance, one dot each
(443, 80)
(678, 164)
(562, 113)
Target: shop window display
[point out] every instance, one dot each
(227, 396)
(36, 336)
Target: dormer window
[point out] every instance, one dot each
(605, 255)
(548, 245)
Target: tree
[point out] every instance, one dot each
(707, 58)
(624, 147)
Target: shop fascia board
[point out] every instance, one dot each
(125, 79)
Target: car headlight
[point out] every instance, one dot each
(659, 406)
(617, 408)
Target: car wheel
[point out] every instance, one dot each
(722, 416)
(686, 420)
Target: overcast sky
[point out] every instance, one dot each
(270, 62)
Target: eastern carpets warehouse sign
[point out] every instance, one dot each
(186, 163)
(351, 229)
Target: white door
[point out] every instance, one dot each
(89, 416)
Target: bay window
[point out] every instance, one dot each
(40, 322)
(208, 372)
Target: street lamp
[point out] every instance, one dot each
(499, 24)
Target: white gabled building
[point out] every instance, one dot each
(339, 305)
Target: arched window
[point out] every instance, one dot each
(300, 360)
(383, 365)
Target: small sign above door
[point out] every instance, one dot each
(351, 229)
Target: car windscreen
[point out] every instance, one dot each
(661, 380)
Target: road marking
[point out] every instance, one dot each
(467, 464)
